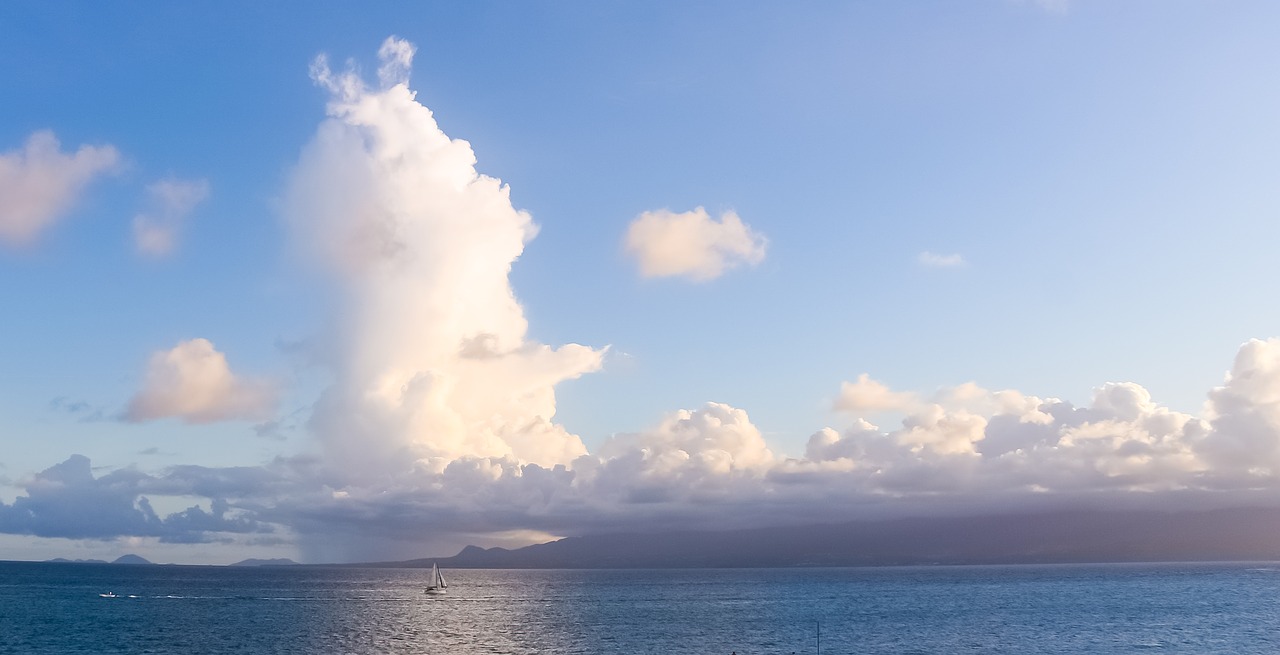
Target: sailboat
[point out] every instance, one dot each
(438, 584)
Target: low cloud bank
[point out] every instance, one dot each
(66, 500)
(970, 439)
(963, 451)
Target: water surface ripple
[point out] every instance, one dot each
(1094, 609)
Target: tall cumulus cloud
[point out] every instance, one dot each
(434, 363)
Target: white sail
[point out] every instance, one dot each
(437, 584)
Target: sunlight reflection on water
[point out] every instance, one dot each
(52, 608)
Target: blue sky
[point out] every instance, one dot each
(1035, 197)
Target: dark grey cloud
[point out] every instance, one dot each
(67, 500)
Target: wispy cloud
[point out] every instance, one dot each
(934, 260)
(155, 231)
(39, 184)
(692, 244)
(81, 410)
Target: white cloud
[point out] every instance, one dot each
(39, 184)
(1245, 413)
(155, 231)
(1006, 442)
(396, 56)
(194, 383)
(434, 362)
(716, 439)
(965, 450)
(867, 395)
(933, 260)
(692, 244)
(962, 449)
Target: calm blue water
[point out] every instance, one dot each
(1175, 608)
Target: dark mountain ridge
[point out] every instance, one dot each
(123, 559)
(131, 559)
(275, 561)
(1247, 534)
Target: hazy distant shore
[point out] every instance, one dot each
(1042, 538)
(1224, 535)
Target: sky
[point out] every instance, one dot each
(369, 281)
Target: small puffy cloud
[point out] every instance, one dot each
(194, 383)
(39, 183)
(155, 232)
(692, 244)
(717, 439)
(867, 395)
(935, 260)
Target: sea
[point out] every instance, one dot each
(1061, 609)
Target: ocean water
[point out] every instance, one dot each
(1094, 609)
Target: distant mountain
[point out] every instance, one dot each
(1050, 537)
(130, 559)
(279, 561)
(123, 559)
